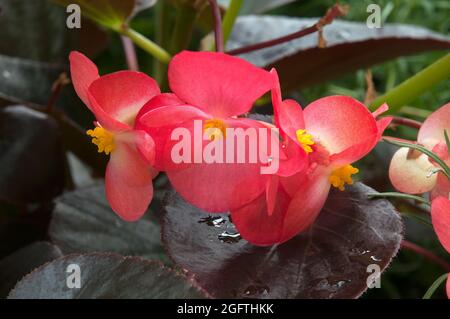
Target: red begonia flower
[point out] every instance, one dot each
(214, 88)
(115, 99)
(413, 173)
(335, 131)
(440, 217)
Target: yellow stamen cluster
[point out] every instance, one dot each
(214, 129)
(305, 140)
(103, 139)
(342, 176)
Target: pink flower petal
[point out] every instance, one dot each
(440, 217)
(441, 150)
(122, 94)
(343, 126)
(288, 114)
(290, 216)
(432, 130)
(411, 175)
(306, 205)
(170, 116)
(159, 123)
(159, 133)
(163, 99)
(83, 72)
(128, 181)
(216, 187)
(383, 108)
(217, 83)
(256, 225)
(383, 124)
(144, 144)
(296, 159)
(104, 119)
(271, 193)
(442, 187)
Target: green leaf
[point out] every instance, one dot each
(108, 276)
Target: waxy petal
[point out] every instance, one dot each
(216, 187)
(159, 123)
(440, 217)
(288, 114)
(432, 130)
(442, 187)
(289, 217)
(271, 193)
(128, 182)
(411, 175)
(159, 132)
(143, 142)
(296, 159)
(217, 83)
(306, 205)
(122, 94)
(83, 72)
(256, 225)
(170, 116)
(104, 119)
(343, 126)
(160, 100)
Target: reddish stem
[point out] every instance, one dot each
(336, 11)
(56, 91)
(398, 139)
(130, 53)
(406, 122)
(218, 34)
(427, 254)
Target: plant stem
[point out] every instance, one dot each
(406, 122)
(130, 53)
(184, 25)
(218, 35)
(425, 253)
(332, 13)
(146, 44)
(229, 18)
(447, 141)
(413, 87)
(56, 91)
(413, 111)
(162, 36)
(400, 195)
(437, 159)
(435, 286)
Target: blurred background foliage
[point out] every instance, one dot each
(433, 15)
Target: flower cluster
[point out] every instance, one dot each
(413, 172)
(140, 128)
